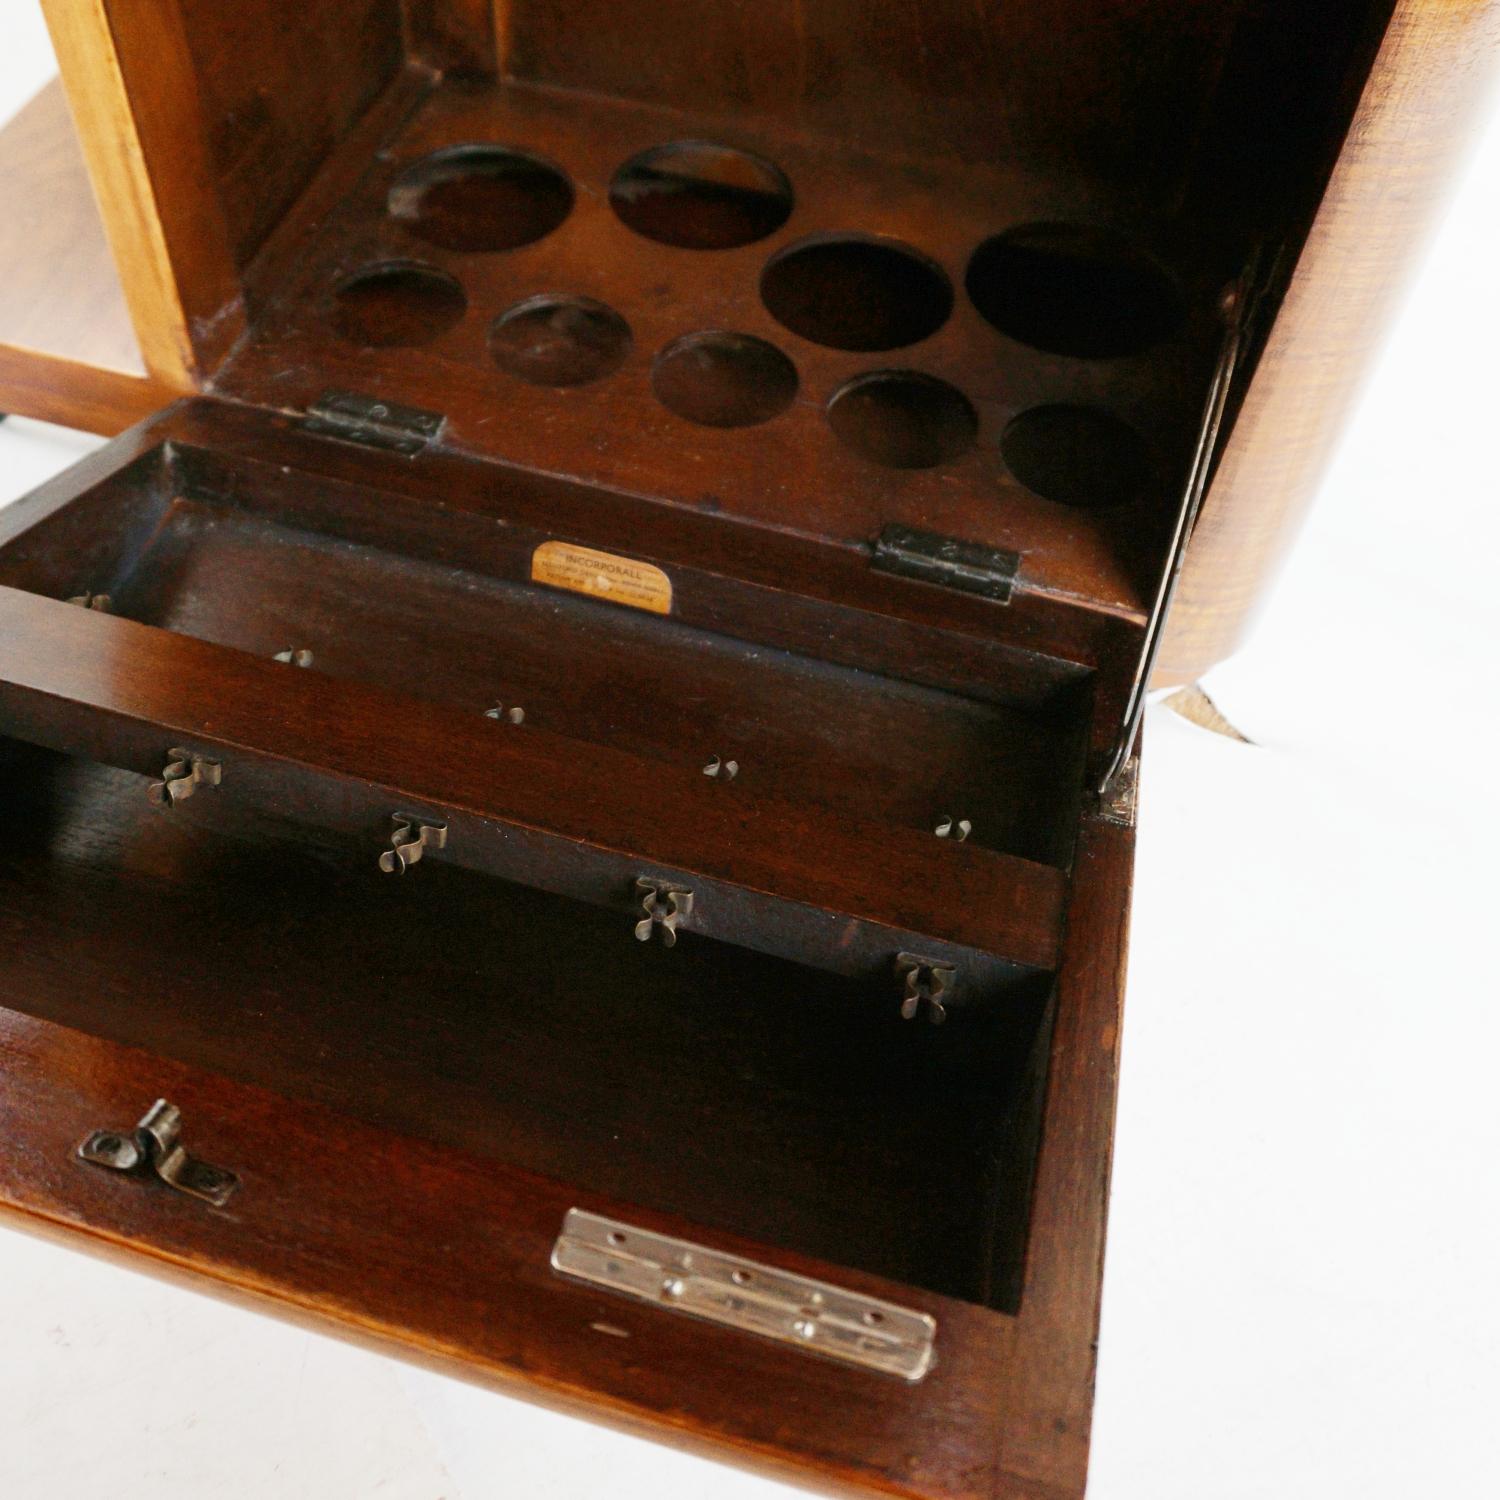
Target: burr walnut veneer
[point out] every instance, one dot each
(602, 680)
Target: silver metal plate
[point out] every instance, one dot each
(743, 1294)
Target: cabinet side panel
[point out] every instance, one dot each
(1410, 122)
(282, 82)
(135, 104)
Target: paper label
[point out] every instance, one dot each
(602, 575)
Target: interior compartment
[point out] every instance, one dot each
(816, 269)
(789, 1106)
(205, 548)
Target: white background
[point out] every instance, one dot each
(1300, 1298)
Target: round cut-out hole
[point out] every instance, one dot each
(720, 379)
(701, 196)
(1076, 455)
(852, 292)
(481, 198)
(1074, 290)
(398, 304)
(903, 419)
(559, 340)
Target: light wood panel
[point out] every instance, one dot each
(135, 101)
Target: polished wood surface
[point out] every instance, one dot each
(838, 892)
(726, 295)
(784, 1102)
(790, 473)
(201, 167)
(135, 104)
(352, 1225)
(1434, 66)
(278, 86)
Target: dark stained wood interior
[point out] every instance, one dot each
(1033, 80)
(791, 472)
(279, 86)
(726, 291)
(729, 1088)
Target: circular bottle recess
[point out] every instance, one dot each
(902, 419)
(559, 340)
(1073, 290)
(1076, 455)
(720, 379)
(397, 304)
(857, 293)
(697, 195)
(472, 198)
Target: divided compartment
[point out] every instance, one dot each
(835, 843)
(778, 1094)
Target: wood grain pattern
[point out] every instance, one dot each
(582, 820)
(75, 394)
(1436, 59)
(135, 102)
(997, 81)
(1003, 1414)
(790, 474)
(281, 84)
(416, 1078)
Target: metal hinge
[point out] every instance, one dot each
(1239, 308)
(946, 561)
(374, 423)
(1117, 803)
(153, 1150)
(743, 1294)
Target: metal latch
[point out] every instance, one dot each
(411, 838)
(374, 423)
(925, 985)
(153, 1150)
(663, 906)
(947, 561)
(744, 1294)
(182, 775)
